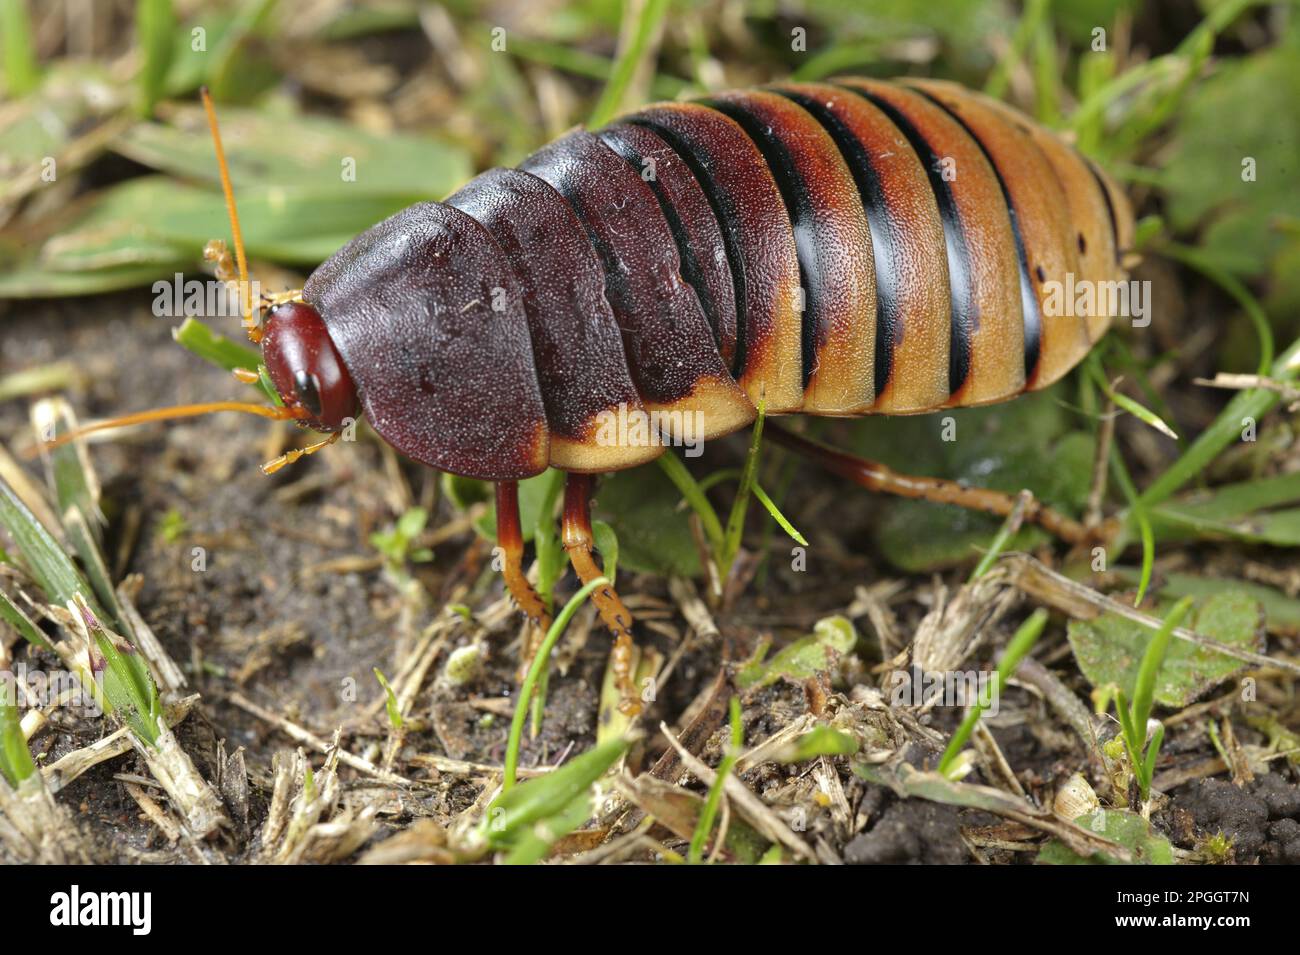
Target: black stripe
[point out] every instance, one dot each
(963, 309)
(1110, 208)
(728, 220)
(889, 320)
(691, 271)
(803, 218)
(1030, 312)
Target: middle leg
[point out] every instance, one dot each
(578, 542)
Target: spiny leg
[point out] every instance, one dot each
(877, 477)
(510, 539)
(578, 542)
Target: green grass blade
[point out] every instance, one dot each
(1023, 641)
(996, 547)
(694, 494)
(1196, 259)
(15, 758)
(390, 701)
(11, 614)
(999, 79)
(607, 546)
(629, 59)
(20, 70)
(704, 825)
(49, 566)
(1144, 689)
(221, 351)
(68, 466)
(777, 516)
(1138, 512)
(155, 29)
(1224, 430)
(534, 674)
(740, 506)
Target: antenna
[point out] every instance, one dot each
(245, 299)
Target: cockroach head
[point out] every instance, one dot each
(306, 368)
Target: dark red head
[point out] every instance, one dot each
(305, 367)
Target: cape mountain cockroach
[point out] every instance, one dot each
(845, 248)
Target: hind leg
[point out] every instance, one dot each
(877, 477)
(578, 542)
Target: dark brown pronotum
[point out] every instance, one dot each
(843, 248)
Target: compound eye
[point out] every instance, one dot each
(306, 368)
(307, 389)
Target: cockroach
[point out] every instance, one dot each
(836, 249)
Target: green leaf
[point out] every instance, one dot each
(1219, 127)
(821, 740)
(155, 28)
(654, 533)
(296, 153)
(1109, 649)
(533, 493)
(1281, 613)
(1242, 511)
(1127, 828)
(806, 657)
(396, 542)
(539, 799)
(532, 843)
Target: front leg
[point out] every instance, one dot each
(510, 539)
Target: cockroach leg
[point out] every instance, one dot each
(578, 541)
(510, 539)
(875, 476)
(275, 464)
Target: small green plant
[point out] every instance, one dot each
(173, 526)
(390, 701)
(1023, 641)
(15, 759)
(397, 544)
(527, 819)
(1217, 849)
(1133, 716)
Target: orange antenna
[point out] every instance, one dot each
(168, 414)
(245, 299)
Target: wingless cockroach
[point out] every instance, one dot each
(837, 249)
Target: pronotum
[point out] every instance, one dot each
(844, 248)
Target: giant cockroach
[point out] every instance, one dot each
(836, 249)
